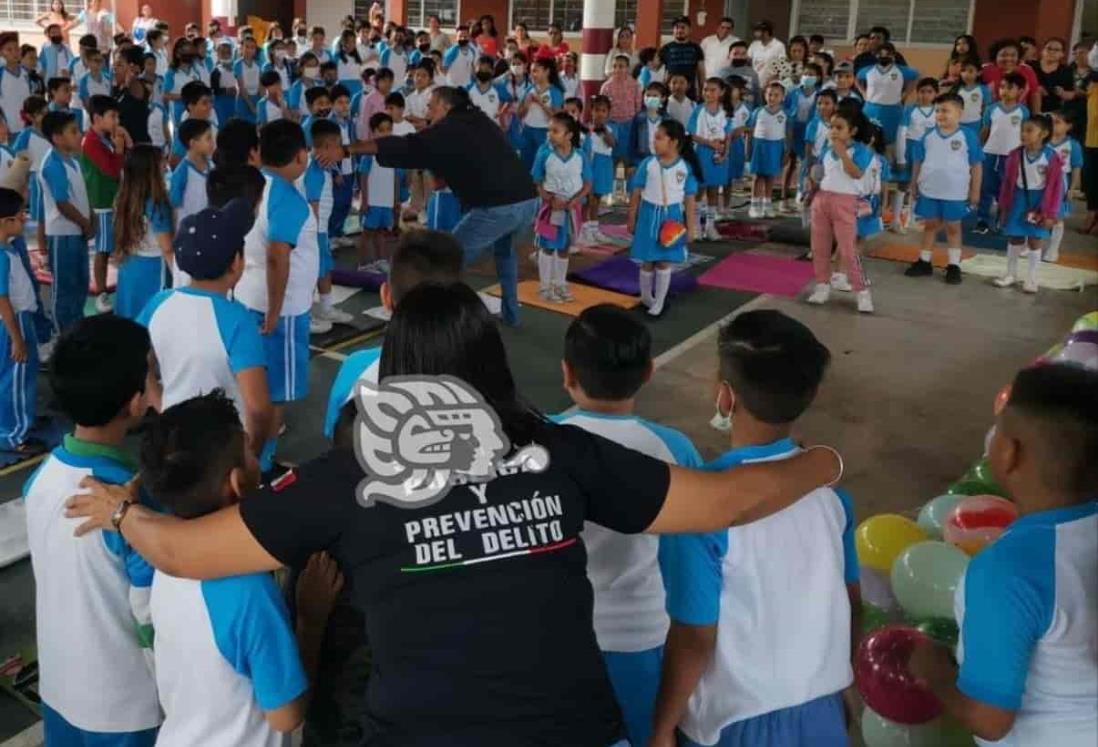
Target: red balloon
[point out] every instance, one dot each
(885, 682)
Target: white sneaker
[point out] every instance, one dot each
(382, 266)
(897, 228)
(1051, 255)
(546, 294)
(318, 326)
(333, 315)
(1030, 286)
(711, 232)
(1005, 281)
(840, 282)
(865, 302)
(563, 294)
(600, 237)
(754, 213)
(45, 350)
(768, 210)
(103, 303)
(820, 295)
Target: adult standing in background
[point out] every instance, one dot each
(623, 46)
(878, 35)
(1080, 78)
(100, 23)
(526, 44)
(716, 47)
(485, 35)
(681, 56)
(1056, 84)
(143, 24)
(764, 49)
(57, 15)
(440, 40)
(1006, 55)
(556, 47)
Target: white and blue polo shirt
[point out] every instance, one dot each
(946, 162)
(225, 654)
(187, 189)
(558, 175)
(362, 365)
(977, 98)
(15, 284)
(1004, 128)
(61, 180)
(458, 62)
(91, 600)
(316, 183)
(488, 101)
(88, 85)
(625, 570)
(14, 90)
(202, 341)
(283, 216)
(55, 60)
(1028, 612)
(759, 583)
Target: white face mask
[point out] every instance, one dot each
(311, 72)
(720, 421)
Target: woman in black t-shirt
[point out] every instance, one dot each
(477, 603)
(1057, 84)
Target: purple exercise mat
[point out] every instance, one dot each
(357, 279)
(620, 274)
(759, 273)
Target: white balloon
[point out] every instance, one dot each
(877, 589)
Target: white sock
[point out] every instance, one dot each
(954, 256)
(1033, 259)
(646, 287)
(1013, 252)
(326, 301)
(1053, 249)
(897, 206)
(662, 285)
(545, 270)
(560, 270)
(926, 255)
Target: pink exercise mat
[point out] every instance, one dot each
(759, 273)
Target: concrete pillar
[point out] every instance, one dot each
(598, 37)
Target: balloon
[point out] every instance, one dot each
(879, 539)
(933, 515)
(969, 485)
(981, 473)
(925, 577)
(873, 618)
(877, 590)
(885, 682)
(941, 629)
(1086, 323)
(977, 520)
(1001, 399)
(878, 731)
(1081, 348)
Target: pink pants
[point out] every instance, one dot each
(834, 219)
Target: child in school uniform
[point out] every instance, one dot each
(102, 153)
(626, 102)
(228, 665)
(187, 186)
(282, 241)
(607, 359)
(272, 106)
(443, 206)
(223, 83)
(1002, 133)
(182, 72)
(748, 669)
(642, 133)
(1030, 200)
(486, 93)
(247, 70)
(651, 68)
(343, 178)
(599, 146)
(768, 130)
(142, 231)
(68, 218)
(92, 592)
(1071, 162)
(915, 121)
(710, 128)
(380, 189)
(976, 95)
(544, 99)
(395, 107)
(946, 175)
(884, 86)
(18, 333)
(661, 211)
(737, 148)
(1025, 671)
(800, 105)
(15, 82)
(320, 107)
(843, 162)
(33, 142)
(95, 82)
(198, 104)
(870, 199)
(55, 58)
(679, 104)
(59, 92)
(816, 137)
(563, 178)
(309, 69)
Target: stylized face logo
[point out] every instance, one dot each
(415, 436)
(955, 145)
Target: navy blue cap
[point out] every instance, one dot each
(207, 241)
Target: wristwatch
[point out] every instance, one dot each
(120, 513)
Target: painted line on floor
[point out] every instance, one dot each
(13, 468)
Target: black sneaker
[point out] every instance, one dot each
(953, 274)
(981, 228)
(919, 268)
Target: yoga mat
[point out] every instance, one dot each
(1053, 277)
(341, 293)
(621, 274)
(586, 297)
(758, 273)
(616, 231)
(1079, 261)
(603, 250)
(910, 252)
(742, 230)
(355, 278)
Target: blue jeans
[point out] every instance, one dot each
(498, 227)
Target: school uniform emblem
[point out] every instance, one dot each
(955, 145)
(1042, 169)
(894, 75)
(780, 119)
(680, 177)
(975, 97)
(1015, 119)
(492, 98)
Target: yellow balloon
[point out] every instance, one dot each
(881, 538)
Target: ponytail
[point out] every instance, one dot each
(677, 134)
(571, 124)
(550, 67)
(726, 94)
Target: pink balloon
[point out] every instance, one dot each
(885, 682)
(978, 520)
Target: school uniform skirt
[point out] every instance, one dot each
(1016, 225)
(139, 279)
(602, 174)
(799, 130)
(565, 233)
(714, 172)
(766, 157)
(737, 159)
(622, 131)
(646, 238)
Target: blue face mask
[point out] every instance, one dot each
(653, 102)
(809, 81)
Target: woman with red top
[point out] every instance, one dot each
(555, 47)
(1006, 56)
(526, 44)
(485, 35)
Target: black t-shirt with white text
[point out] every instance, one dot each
(478, 608)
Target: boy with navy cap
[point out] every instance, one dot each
(203, 340)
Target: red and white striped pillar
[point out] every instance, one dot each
(598, 37)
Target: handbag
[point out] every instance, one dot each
(1032, 216)
(671, 230)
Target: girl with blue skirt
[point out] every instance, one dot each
(710, 128)
(143, 230)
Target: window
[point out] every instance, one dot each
(625, 13)
(12, 11)
(538, 14)
(418, 11)
(672, 9)
(910, 21)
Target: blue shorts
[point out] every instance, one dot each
(635, 677)
(104, 230)
(60, 733)
(950, 211)
(378, 218)
(287, 351)
(324, 244)
(622, 132)
(820, 723)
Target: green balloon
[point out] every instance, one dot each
(981, 472)
(873, 617)
(933, 515)
(925, 577)
(878, 731)
(969, 485)
(941, 629)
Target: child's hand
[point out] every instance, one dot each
(559, 203)
(932, 664)
(1048, 223)
(317, 588)
(270, 323)
(663, 740)
(19, 350)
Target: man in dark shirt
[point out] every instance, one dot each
(681, 56)
(878, 35)
(472, 155)
(133, 98)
